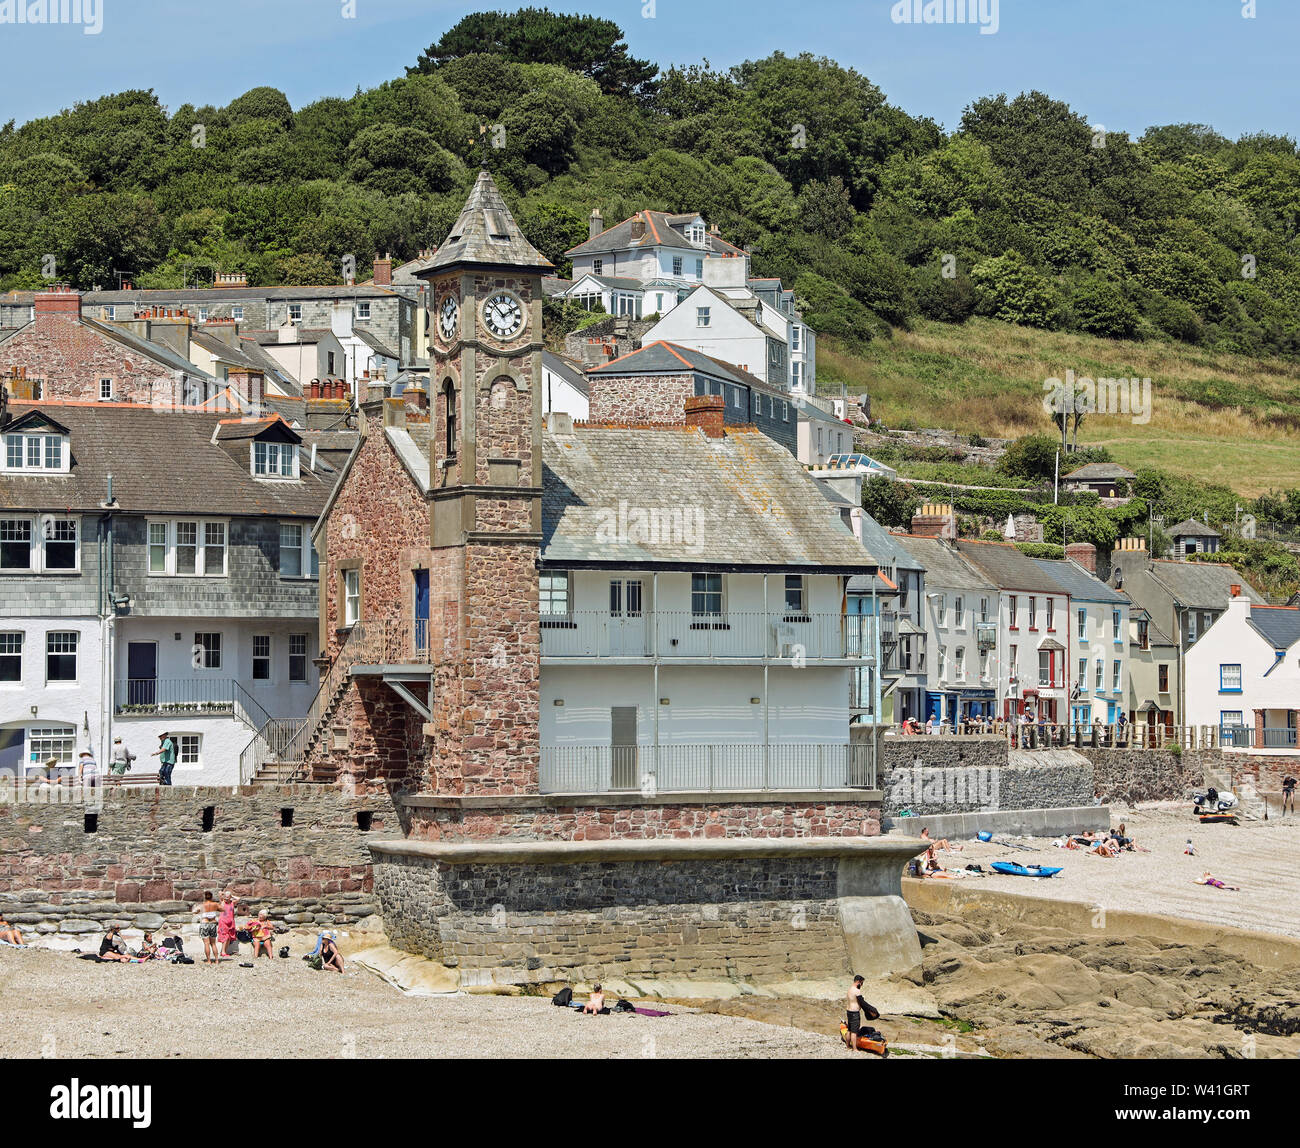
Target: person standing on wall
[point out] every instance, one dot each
(119, 761)
(166, 755)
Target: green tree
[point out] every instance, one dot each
(890, 503)
(1009, 288)
(588, 45)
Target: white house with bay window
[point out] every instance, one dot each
(156, 574)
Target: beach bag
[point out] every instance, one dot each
(315, 963)
(284, 951)
(563, 998)
(624, 1006)
(245, 937)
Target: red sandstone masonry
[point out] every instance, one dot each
(645, 822)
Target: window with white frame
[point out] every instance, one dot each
(188, 746)
(699, 269)
(943, 662)
(47, 544)
(796, 374)
(706, 595)
(1115, 624)
(959, 658)
(363, 309)
(941, 610)
(61, 655)
(188, 547)
(351, 597)
(207, 651)
(795, 330)
(1082, 616)
(984, 609)
(45, 742)
(1013, 612)
(298, 557)
(597, 266)
(984, 665)
(261, 657)
(625, 598)
(1083, 673)
(275, 459)
(1033, 612)
(1115, 675)
(554, 597)
(297, 657)
(1230, 678)
(237, 311)
(39, 451)
(11, 657)
(294, 312)
(701, 316)
(796, 594)
(677, 266)
(1051, 613)
(203, 314)
(1101, 676)
(959, 612)
(106, 390)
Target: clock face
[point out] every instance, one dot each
(448, 317)
(503, 315)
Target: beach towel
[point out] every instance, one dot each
(652, 1012)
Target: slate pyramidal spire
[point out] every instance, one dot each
(485, 233)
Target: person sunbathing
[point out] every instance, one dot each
(1215, 883)
(943, 844)
(595, 1002)
(9, 933)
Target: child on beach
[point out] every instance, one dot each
(1215, 883)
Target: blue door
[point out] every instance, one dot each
(421, 609)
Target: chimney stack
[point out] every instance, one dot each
(935, 520)
(383, 270)
(1085, 554)
(1132, 544)
(638, 227)
(233, 279)
(57, 300)
(706, 412)
(596, 224)
(1235, 590)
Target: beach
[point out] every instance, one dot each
(1262, 857)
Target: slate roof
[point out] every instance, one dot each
(568, 370)
(159, 296)
(375, 343)
(158, 352)
(742, 501)
(1078, 583)
(1008, 568)
(943, 565)
(1278, 625)
(660, 231)
(1201, 585)
(553, 285)
(1192, 529)
(165, 462)
(1098, 472)
(486, 233)
(664, 358)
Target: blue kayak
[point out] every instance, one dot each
(1014, 870)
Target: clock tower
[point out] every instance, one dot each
(485, 501)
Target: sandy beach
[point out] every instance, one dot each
(1263, 858)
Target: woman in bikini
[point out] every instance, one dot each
(226, 931)
(263, 934)
(9, 933)
(1215, 883)
(208, 913)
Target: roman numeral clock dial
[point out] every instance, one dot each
(503, 315)
(448, 318)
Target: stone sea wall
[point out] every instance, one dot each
(144, 855)
(931, 775)
(543, 924)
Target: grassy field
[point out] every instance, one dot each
(1223, 418)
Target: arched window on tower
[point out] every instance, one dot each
(449, 417)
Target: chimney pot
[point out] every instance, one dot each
(1235, 590)
(596, 224)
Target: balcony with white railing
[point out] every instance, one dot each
(705, 768)
(728, 636)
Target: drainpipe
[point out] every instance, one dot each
(767, 747)
(654, 660)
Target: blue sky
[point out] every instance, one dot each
(1125, 64)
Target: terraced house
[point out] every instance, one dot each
(156, 573)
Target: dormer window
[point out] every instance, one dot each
(275, 459)
(26, 452)
(695, 233)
